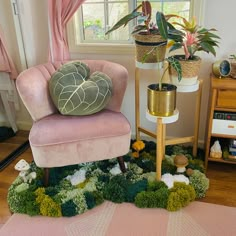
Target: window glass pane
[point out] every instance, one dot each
(181, 8)
(95, 17)
(93, 24)
(115, 12)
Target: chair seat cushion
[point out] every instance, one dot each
(75, 92)
(100, 136)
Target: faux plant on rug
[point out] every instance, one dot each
(78, 188)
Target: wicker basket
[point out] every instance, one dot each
(190, 68)
(151, 45)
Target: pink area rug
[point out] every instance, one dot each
(109, 219)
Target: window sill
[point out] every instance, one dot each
(115, 49)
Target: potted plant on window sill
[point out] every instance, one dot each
(161, 97)
(193, 39)
(149, 37)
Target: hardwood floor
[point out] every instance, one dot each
(8, 175)
(222, 178)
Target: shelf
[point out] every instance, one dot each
(188, 88)
(166, 119)
(223, 136)
(224, 109)
(221, 160)
(224, 83)
(149, 66)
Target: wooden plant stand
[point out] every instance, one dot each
(160, 134)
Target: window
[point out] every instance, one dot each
(95, 17)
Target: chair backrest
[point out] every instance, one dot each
(32, 85)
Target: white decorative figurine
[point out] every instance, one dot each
(24, 168)
(216, 151)
(78, 177)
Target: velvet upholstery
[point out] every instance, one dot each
(58, 140)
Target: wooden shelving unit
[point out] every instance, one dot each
(222, 98)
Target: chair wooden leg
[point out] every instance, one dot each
(45, 176)
(121, 164)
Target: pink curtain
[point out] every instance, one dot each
(60, 12)
(6, 63)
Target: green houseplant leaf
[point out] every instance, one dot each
(176, 65)
(124, 21)
(162, 24)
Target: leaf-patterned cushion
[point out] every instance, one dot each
(75, 92)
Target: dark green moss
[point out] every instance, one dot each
(134, 189)
(98, 196)
(115, 190)
(68, 208)
(168, 168)
(90, 200)
(51, 191)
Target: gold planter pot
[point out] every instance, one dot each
(161, 103)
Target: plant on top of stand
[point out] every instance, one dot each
(144, 21)
(194, 38)
(148, 34)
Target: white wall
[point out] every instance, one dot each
(217, 14)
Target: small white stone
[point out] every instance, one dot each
(78, 177)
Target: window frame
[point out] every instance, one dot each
(197, 10)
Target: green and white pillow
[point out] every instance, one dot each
(75, 92)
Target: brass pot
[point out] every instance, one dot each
(161, 103)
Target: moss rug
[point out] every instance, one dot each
(76, 189)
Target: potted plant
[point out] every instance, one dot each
(192, 38)
(149, 37)
(161, 97)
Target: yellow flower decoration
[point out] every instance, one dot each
(135, 154)
(138, 145)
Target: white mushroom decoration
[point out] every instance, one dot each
(24, 168)
(181, 161)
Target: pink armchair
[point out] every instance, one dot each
(57, 140)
